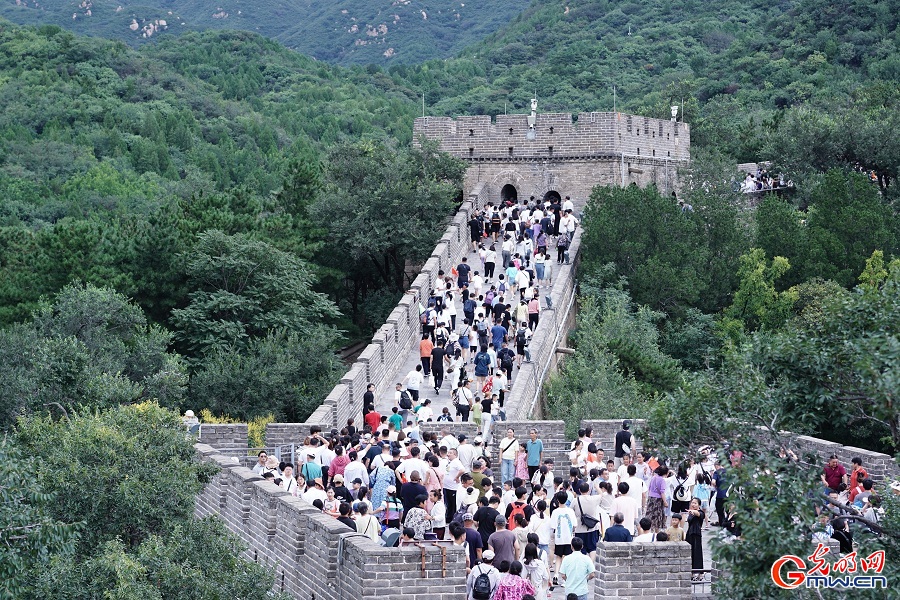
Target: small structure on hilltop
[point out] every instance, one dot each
(553, 155)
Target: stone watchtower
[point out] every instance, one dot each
(558, 155)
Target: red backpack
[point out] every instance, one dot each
(517, 509)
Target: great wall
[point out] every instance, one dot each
(312, 555)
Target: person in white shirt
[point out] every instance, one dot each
(425, 413)
(612, 476)
(644, 533)
(383, 458)
(475, 284)
(623, 468)
(290, 484)
(413, 463)
(315, 492)
(451, 482)
(466, 452)
(628, 506)
(506, 250)
(562, 523)
(448, 440)
(637, 489)
(567, 204)
(355, 469)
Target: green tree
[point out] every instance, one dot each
(287, 374)
(383, 206)
(89, 348)
(29, 536)
(757, 304)
(128, 472)
(244, 289)
(848, 220)
(651, 242)
(197, 559)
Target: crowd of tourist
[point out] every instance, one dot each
(762, 180)
(524, 522)
(479, 318)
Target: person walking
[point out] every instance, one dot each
(577, 570)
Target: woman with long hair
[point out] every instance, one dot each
(512, 586)
(694, 536)
(537, 572)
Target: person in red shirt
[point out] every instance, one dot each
(857, 473)
(834, 474)
(372, 419)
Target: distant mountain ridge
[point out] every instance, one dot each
(342, 32)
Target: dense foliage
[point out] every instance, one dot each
(357, 32)
(804, 340)
(126, 477)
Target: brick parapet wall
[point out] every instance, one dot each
(557, 136)
(379, 361)
(643, 571)
(230, 436)
(313, 555)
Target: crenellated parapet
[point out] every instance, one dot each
(558, 136)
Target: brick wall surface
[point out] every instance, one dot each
(643, 571)
(569, 155)
(314, 556)
(231, 436)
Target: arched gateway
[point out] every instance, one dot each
(561, 154)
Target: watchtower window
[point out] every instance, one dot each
(629, 124)
(551, 131)
(471, 132)
(510, 150)
(668, 153)
(550, 150)
(667, 136)
(654, 152)
(639, 151)
(471, 151)
(510, 131)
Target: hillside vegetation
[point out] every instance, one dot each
(348, 32)
(735, 64)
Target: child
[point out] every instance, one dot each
(675, 532)
(521, 462)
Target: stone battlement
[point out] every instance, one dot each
(558, 136)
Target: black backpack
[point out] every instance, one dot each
(520, 337)
(405, 400)
(481, 587)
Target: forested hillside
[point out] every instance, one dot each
(735, 64)
(203, 179)
(348, 32)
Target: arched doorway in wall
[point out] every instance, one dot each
(553, 197)
(509, 194)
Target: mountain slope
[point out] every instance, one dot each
(734, 62)
(344, 32)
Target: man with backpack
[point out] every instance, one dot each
(507, 358)
(481, 584)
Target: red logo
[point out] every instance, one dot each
(790, 572)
